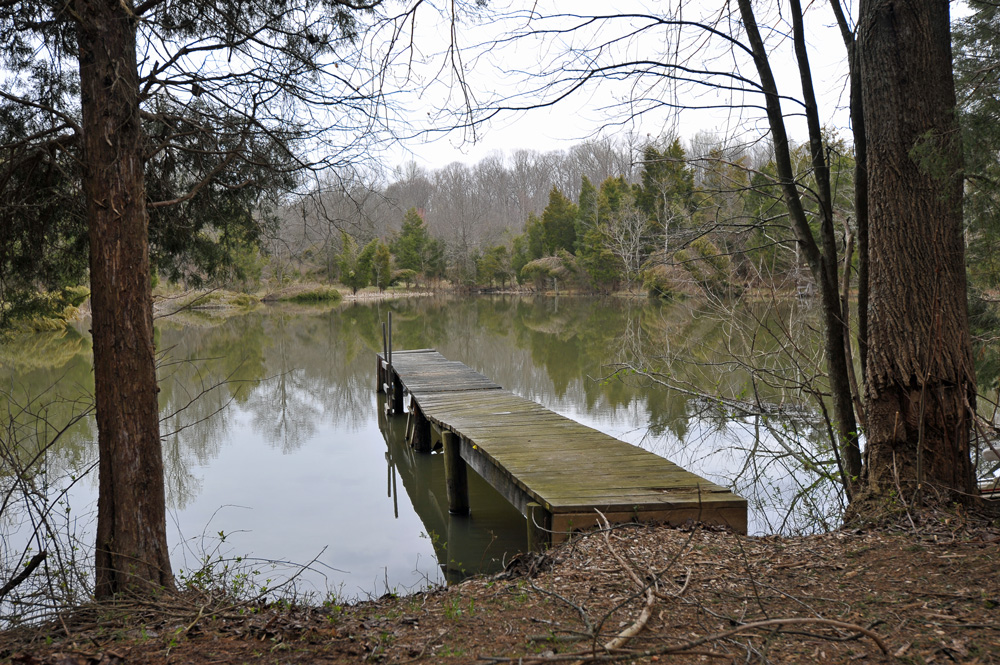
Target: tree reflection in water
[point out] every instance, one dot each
(275, 410)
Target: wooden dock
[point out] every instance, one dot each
(556, 471)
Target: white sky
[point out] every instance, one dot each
(579, 117)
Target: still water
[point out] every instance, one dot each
(276, 452)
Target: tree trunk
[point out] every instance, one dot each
(920, 377)
(822, 259)
(860, 177)
(131, 551)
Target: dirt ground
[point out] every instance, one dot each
(925, 593)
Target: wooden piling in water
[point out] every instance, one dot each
(455, 475)
(380, 376)
(420, 430)
(395, 382)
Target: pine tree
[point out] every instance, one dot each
(559, 220)
(411, 244)
(381, 265)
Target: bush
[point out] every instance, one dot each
(322, 294)
(658, 283)
(245, 301)
(405, 276)
(707, 265)
(561, 269)
(49, 310)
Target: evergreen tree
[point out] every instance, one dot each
(666, 194)
(381, 265)
(411, 244)
(519, 254)
(495, 266)
(366, 262)
(534, 238)
(918, 326)
(587, 203)
(355, 267)
(611, 197)
(435, 264)
(227, 91)
(559, 220)
(604, 269)
(977, 79)
(770, 248)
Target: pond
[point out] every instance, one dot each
(275, 454)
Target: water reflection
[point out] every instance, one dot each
(482, 541)
(271, 429)
(721, 392)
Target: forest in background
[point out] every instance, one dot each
(670, 217)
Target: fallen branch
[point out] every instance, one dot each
(636, 626)
(647, 610)
(775, 622)
(686, 647)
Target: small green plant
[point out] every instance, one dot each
(455, 608)
(175, 639)
(235, 577)
(333, 606)
(521, 596)
(451, 651)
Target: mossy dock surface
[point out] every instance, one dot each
(556, 471)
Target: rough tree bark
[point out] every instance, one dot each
(131, 552)
(920, 378)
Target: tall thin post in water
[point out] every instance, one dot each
(381, 374)
(392, 378)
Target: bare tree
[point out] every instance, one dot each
(530, 182)
(627, 233)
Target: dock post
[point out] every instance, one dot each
(539, 527)
(397, 396)
(456, 477)
(394, 380)
(420, 429)
(380, 370)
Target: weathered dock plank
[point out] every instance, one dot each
(556, 471)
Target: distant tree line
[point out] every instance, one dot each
(604, 216)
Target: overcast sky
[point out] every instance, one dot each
(504, 70)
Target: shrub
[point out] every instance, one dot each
(707, 265)
(547, 268)
(322, 294)
(405, 276)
